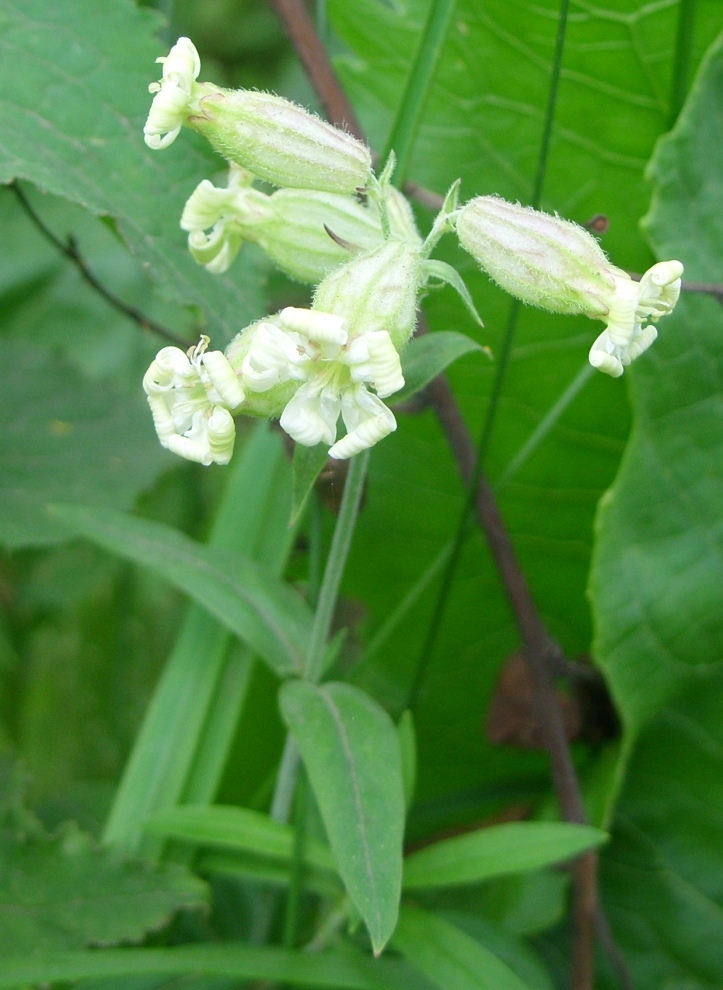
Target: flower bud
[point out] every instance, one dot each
(554, 264)
(277, 140)
(540, 259)
(375, 291)
(280, 141)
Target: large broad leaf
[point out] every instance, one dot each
(74, 98)
(450, 957)
(662, 877)
(484, 121)
(656, 587)
(65, 438)
(496, 851)
(351, 752)
(248, 600)
(659, 560)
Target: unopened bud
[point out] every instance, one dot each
(280, 141)
(375, 291)
(538, 258)
(305, 232)
(554, 264)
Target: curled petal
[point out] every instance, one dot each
(223, 378)
(621, 319)
(188, 395)
(310, 416)
(216, 250)
(322, 328)
(205, 206)
(172, 95)
(221, 435)
(386, 366)
(367, 421)
(658, 290)
(170, 369)
(273, 357)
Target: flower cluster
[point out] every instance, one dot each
(333, 224)
(309, 367)
(332, 370)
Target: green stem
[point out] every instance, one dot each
(296, 878)
(336, 561)
(406, 123)
(544, 152)
(285, 782)
(683, 58)
(546, 424)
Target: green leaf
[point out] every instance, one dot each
(662, 876)
(427, 356)
(408, 750)
(656, 586)
(262, 610)
(449, 275)
(74, 99)
(63, 892)
(307, 465)
(351, 753)
(178, 755)
(483, 122)
(448, 956)
(237, 960)
(497, 850)
(236, 829)
(657, 569)
(65, 438)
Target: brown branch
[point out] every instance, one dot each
(538, 646)
(71, 251)
(313, 56)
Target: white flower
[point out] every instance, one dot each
(314, 348)
(191, 396)
(173, 93)
(221, 209)
(626, 337)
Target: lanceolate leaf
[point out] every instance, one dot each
(308, 464)
(233, 828)
(259, 608)
(236, 961)
(448, 956)
(427, 356)
(498, 850)
(351, 752)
